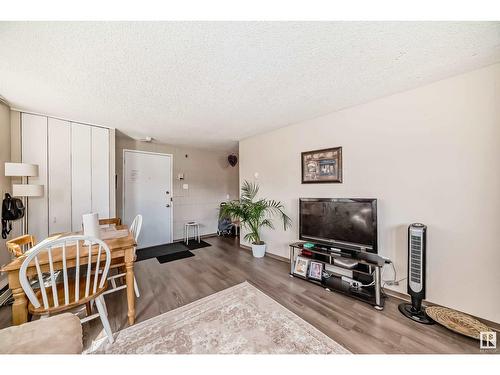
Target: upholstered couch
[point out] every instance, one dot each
(59, 334)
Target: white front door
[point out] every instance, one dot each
(147, 190)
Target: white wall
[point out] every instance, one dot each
(428, 155)
(208, 174)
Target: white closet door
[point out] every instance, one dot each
(100, 171)
(81, 173)
(34, 151)
(59, 156)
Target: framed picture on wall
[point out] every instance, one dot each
(322, 166)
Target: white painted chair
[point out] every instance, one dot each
(84, 282)
(135, 229)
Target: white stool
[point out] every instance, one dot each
(196, 231)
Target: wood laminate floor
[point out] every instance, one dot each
(355, 325)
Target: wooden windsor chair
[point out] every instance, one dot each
(111, 221)
(19, 245)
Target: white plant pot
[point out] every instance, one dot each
(258, 251)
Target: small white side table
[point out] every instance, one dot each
(196, 231)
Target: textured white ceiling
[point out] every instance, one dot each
(210, 84)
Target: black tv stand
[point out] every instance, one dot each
(368, 272)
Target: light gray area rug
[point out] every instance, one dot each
(237, 320)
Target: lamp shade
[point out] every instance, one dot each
(27, 190)
(21, 169)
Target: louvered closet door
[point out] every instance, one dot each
(100, 171)
(81, 173)
(59, 166)
(34, 151)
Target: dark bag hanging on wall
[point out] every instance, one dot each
(12, 209)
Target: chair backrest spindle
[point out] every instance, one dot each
(77, 272)
(41, 284)
(96, 275)
(53, 281)
(65, 275)
(89, 271)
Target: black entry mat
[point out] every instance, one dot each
(160, 250)
(175, 256)
(193, 244)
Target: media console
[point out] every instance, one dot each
(360, 279)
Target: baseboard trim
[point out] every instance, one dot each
(273, 256)
(406, 297)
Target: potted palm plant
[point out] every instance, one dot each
(255, 214)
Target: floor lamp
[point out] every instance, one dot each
(24, 189)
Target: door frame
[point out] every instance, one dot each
(171, 184)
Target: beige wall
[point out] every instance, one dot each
(10, 150)
(5, 183)
(428, 155)
(15, 156)
(208, 174)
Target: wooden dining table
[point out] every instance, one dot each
(121, 244)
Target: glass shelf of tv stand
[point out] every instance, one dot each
(332, 255)
(372, 295)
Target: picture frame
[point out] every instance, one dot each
(301, 266)
(315, 270)
(322, 166)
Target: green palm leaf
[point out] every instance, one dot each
(254, 214)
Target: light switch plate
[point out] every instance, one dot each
(185, 186)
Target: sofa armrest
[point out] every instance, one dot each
(59, 334)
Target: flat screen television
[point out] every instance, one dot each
(346, 223)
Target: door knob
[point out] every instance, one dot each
(167, 205)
